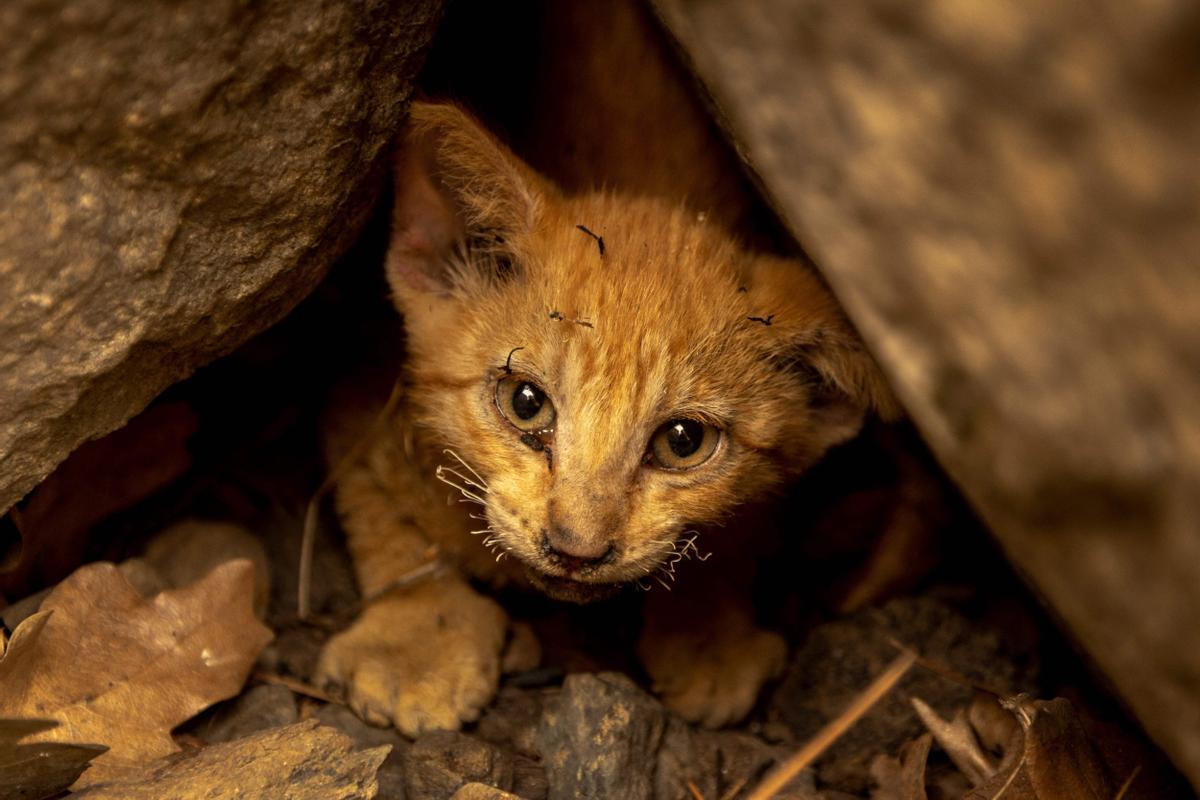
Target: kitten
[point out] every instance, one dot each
(610, 381)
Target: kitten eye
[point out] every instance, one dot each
(681, 444)
(524, 404)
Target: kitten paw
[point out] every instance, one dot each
(716, 683)
(427, 658)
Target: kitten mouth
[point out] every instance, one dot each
(561, 587)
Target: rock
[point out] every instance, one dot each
(257, 709)
(481, 791)
(1004, 198)
(439, 763)
(513, 718)
(716, 763)
(600, 739)
(839, 658)
(529, 778)
(391, 772)
(176, 177)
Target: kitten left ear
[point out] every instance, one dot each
(814, 339)
(455, 185)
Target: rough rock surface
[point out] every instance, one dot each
(175, 177)
(600, 738)
(1004, 196)
(440, 763)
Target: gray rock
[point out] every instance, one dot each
(1004, 198)
(440, 763)
(716, 763)
(481, 791)
(391, 772)
(600, 739)
(175, 177)
(255, 710)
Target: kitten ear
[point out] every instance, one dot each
(814, 339)
(844, 381)
(455, 186)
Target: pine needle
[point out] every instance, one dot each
(825, 737)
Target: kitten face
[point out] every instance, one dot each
(610, 400)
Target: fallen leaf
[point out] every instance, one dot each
(902, 778)
(1050, 758)
(304, 761)
(118, 670)
(958, 740)
(41, 769)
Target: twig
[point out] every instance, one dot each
(835, 728)
(1128, 782)
(308, 539)
(695, 791)
(299, 687)
(737, 787)
(415, 575)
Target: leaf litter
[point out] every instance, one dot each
(94, 681)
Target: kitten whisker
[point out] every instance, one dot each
(468, 495)
(479, 478)
(464, 479)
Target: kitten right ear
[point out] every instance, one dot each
(455, 186)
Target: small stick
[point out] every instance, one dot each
(1128, 782)
(309, 537)
(825, 737)
(737, 787)
(695, 790)
(299, 687)
(417, 574)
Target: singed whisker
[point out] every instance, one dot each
(470, 496)
(479, 478)
(468, 481)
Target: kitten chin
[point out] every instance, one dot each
(571, 591)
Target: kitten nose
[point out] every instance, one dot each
(572, 552)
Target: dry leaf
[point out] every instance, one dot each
(42, 769)
(959, 742)
(1050, 758)
(115, 669)
(305, 761)
(902, 778)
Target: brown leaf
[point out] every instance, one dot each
(902, 778)
(305, 761)
(115, 669)
(1050, 758)
(41, 769)
(959, 742)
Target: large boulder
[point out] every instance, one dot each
(174, 177)
(1005, 197)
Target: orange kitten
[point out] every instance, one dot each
(605, 378)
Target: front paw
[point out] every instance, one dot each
(713, 681)
(425, 658)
